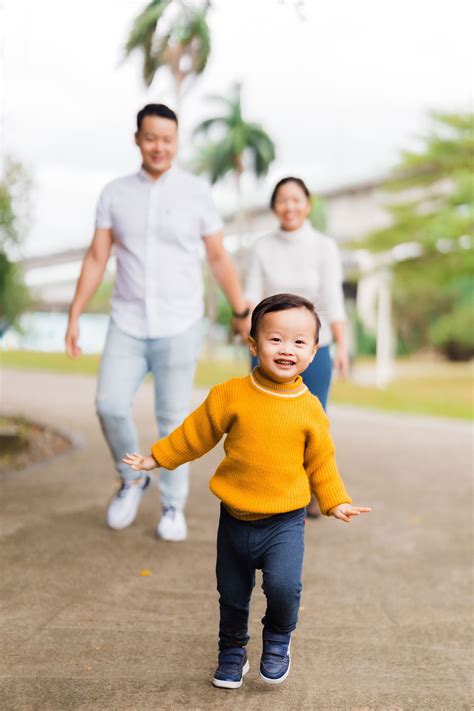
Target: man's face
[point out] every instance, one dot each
(157, 140)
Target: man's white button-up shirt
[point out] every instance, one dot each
(157, 228)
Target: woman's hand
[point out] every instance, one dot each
(140, 463)
(341, 362)
(344, 512)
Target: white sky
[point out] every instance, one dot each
(340, 92)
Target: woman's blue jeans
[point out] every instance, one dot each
(317, 377)
(125, 363)
(274, 545)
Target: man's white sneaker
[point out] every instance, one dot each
(172, 526)
(124, 506)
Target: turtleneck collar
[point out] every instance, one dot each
(262, 382)
(305, 229)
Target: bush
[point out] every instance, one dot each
(453, 333)
(365, 341)
(14, 296)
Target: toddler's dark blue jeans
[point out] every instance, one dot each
(274, 545)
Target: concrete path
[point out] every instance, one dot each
(386, 615)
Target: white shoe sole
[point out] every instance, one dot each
(174, 539)
(267, 680)
(125, 522)
(232, 684)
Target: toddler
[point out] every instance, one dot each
(278, 450)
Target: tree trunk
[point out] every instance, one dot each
(240, 222)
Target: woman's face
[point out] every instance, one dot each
(292, 207)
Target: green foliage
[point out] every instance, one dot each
(317, 216)
(453, 333)
(435, 211)
(14, 213)
(14, 204)
(224, 311)
(365, 341)
(14, 296)
(171, 34)
(234, 138)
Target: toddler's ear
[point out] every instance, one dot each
(252, 346)
(315, 350)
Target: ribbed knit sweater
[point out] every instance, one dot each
(278, 447)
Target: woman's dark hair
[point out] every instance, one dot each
(160, 110)
(281, 302)
(284, 181)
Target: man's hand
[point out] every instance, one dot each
(241, 327)
(140, 463)
(344, 512)
(72, 337)
(92, 271)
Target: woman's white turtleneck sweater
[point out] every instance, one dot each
(304, 262)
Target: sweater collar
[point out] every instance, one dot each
(288, 390)
(294, 235)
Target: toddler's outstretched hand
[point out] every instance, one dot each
(140, 463)
(344, 512)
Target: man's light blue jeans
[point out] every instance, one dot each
(125, 363)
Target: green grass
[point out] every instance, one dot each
(57, 362)
(445, 397)
(433, 389)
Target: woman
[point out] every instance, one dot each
(300, 260)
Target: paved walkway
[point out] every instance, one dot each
(386, 607)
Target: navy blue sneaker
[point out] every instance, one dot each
(276, 658)
(232, 665)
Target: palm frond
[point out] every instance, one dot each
(238, 137)
(205, 126)
(145, 25)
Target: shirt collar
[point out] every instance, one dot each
(288, 390)
(145, 177)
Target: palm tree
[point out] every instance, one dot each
(173, 34)
(236, 139)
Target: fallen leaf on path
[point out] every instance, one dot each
(145, 573)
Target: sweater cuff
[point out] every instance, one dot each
(161, 454)
(330, 490)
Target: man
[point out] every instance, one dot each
(155, 220)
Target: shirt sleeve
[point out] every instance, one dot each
(332, 277)
(210, 220)
(254, 282)
(320, 464)
(103, 215)
(198, 434)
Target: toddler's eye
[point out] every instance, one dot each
(300, 343)
(276, 340)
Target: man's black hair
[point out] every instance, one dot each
(160, 110)
(282, 302)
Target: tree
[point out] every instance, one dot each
(234, 140)
(14, 214)
(172, 34)
(435, 211)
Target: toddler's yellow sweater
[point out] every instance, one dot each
(278, 447)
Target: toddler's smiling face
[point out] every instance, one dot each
(285, 343)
